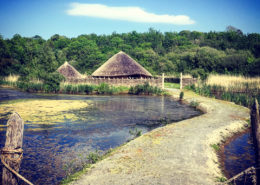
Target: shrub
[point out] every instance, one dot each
(181, 95)
(104, 88)
(94, 157)
(145, 89)
(135, 132)
(194, 103)
(201, 73)
(52, 82)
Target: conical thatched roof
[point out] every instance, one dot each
(121, 65)
(68, 71)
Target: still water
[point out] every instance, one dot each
(53, 151)
(238, 155)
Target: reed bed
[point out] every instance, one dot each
(238, 89)
(37, 85)
(235, 83)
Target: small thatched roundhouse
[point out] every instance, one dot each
(68, 71)
(121, 66)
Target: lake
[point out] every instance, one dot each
(54, 148)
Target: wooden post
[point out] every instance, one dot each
(181, 81)
(255, 122)
(163, 81)
(12, 152)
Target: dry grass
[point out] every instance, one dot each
(14, 78)
(234, 82)
(11, 78)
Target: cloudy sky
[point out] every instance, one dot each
(73, 18)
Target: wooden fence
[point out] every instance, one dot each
(117, 81)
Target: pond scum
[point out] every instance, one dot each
(44, 111)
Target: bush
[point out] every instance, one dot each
(52, 82)
(104, 88)
(94, 157)
(201, 73)
(145, 89)
(181, 95)
(194, 103)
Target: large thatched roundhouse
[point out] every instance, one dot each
(121, 66)
(68, 71)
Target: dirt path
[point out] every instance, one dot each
(178, 153)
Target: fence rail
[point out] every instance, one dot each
(117, 81)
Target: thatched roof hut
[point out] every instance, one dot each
(121, 65)
(68, 71)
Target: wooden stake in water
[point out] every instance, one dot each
(255, 122)
(163, 81)
(181, 81)
(12, 152)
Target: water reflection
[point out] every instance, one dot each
(52, 151)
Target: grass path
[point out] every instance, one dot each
(178, 153)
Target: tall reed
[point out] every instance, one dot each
(238, 89)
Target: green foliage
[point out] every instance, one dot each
(94, 157)
(52, 82)
(135, 132)
(201, 73)
(172, 85)
(194, 103)
(221, 179)
(77, 89)
(30, 87)
(241, 98)
(181, 95)
(145, 89)
(104, 88)
(216, 147)
(200, 53)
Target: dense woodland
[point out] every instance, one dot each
(227, 52)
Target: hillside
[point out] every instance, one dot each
(228, 52)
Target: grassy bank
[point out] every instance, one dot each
(37, 86)
(238, 89)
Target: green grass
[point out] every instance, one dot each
(194, 103)
(216, 147)
(135, 133)
(145, 89)
(172, 85)
(241, 98)
(221, 179)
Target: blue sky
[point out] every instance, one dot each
(75, 17)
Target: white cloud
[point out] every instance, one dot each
(134, 14)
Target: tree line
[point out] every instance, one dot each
(193, 52)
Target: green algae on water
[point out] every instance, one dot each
(44, 111)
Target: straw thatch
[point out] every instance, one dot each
(68, 71)
(121, 65)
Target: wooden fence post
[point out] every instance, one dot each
(163, 81)
(255, 122)
(12, 152)
(181, 81)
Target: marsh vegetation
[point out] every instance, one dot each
(238, 89)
